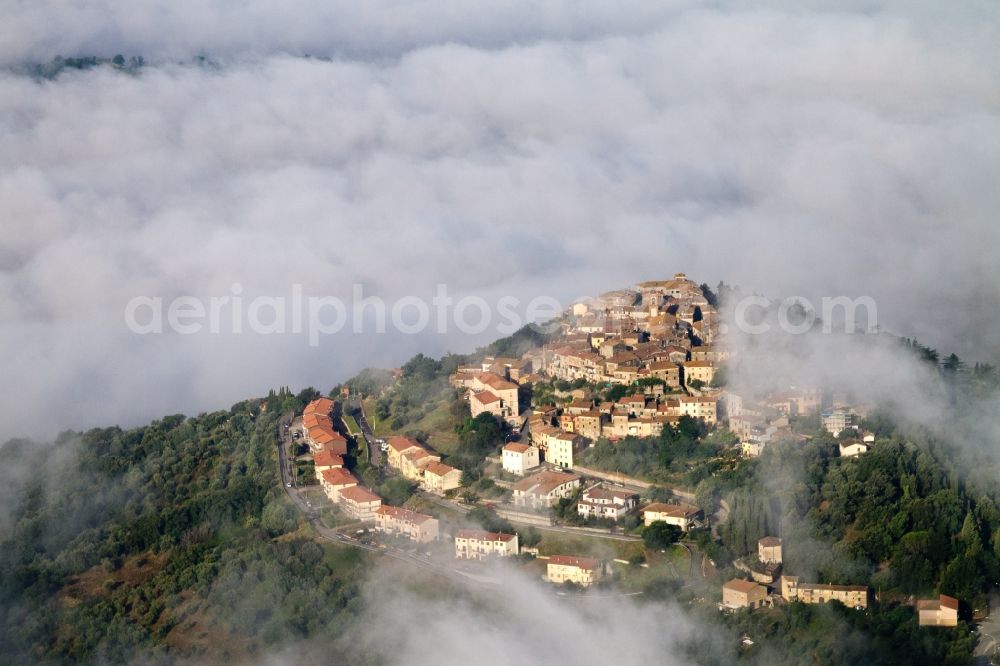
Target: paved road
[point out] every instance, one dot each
(989, 635)
(465, 508)
(697, 572)
(281, 434)
(358, 410)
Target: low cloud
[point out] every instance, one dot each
(520, 620)
(521, 152)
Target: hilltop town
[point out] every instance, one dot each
(610, 454)
(644, 366)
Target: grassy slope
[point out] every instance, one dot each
(439, 424)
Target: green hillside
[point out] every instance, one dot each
(172, 539)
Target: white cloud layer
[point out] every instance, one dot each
(542, 148)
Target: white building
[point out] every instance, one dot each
(678, 515)
(542, 490)
(601, 502)
(482, 545)
(851, 448)
(518, 458)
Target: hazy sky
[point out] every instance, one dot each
(557, 148)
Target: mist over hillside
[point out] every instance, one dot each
(554, 149)
(205, 204)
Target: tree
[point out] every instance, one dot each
(710, 295)
(396, 491)
(720, 378)
(490, 521)
(659, 535)
(529, 537)
(278, 518)
(913, 572)
(952, 363)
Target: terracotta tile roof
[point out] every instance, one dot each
(516, 447)
(769, 541)
(400, 443)
(672, 510)
(336, 445)
(485, 397)
(588, 563)
(319, 406)
(313, 420)
(339, 476)
(327, 458)
(417, 454)
(405, 515)
(482, 535)
(544, 483)
(359, 494)
(698, 399)
(943, 601)
(496, 382)
(439, 468)
(599, 493)
(740, 585)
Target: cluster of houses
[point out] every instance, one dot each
(763, 421)
(558, 437)
(491, 393)
(739, 593)
(328, 449)
(416, 463)
(406, 455)
(473, 544)
(492, 387)
(317, 425)
(659, 330)
(544, 489)
(760, 422)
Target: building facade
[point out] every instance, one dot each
(679, 515)
(542, 490)
(359, 503)
(439, 478)
(483, 545)
(940, 612)
(769, 550)
(600, 502)
(852, 596)
(410, 524)
(739, 593)
(582, 571)
(518, 458)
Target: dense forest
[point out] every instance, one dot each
(169, 539)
